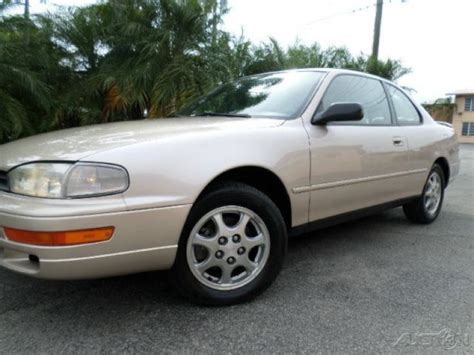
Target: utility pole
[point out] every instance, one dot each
(378, 24)
(27, 9)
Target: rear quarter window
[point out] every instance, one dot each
(405, 111)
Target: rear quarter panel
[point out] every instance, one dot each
(427, 143)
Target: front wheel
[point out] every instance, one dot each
(232, 246)
(426, 208)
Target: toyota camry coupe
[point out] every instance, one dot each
(213, 192)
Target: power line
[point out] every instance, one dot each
(353, 11)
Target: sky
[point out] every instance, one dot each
(435, 38)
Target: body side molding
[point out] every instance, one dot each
(328, 185)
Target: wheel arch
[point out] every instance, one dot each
(443, 163)
(260, 178)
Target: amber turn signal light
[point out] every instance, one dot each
(60, 238)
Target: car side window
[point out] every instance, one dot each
(405, 112)
(367, 92)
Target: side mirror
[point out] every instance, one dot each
(338, 112)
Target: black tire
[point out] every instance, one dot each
(236, 194)
(416, 211)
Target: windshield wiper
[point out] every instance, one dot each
(210, 113)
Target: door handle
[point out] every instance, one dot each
(398, 141)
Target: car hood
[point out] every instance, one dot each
(78, 143)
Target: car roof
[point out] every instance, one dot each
(331, 70)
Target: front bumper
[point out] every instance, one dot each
(143, 240)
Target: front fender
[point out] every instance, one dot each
(174, 170)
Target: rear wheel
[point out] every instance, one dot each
(232, 246)
(427, 207)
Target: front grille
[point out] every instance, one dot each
(3, 181)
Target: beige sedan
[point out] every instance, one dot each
(213, 192)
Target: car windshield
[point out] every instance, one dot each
(280, 95)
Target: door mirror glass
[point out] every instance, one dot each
(339, 112)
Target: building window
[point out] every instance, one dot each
(468, 128)
(469, 104)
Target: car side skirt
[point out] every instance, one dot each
(346, 217)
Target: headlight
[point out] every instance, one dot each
(67, 180)
(41, 180)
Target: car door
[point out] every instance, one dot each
(355, 165)
(421, 139)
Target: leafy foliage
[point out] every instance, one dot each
(128, 59)
(6, 4)
(25, 76)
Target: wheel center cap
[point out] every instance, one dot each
(230, 250)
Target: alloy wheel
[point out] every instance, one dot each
(228, 247)
(433, 192)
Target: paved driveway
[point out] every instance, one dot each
(355, 288)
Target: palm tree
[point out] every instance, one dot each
(125, 59)
(157, 56)
(22, 89)
(6, 4)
